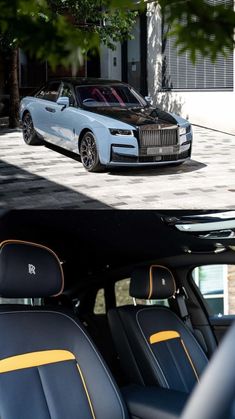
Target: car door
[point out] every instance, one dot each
(216, 285)
(65, 120)
(46, 109)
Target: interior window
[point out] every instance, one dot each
(50, 92)
(99, 307)
(25, 301)
(66, 91)
(217, 286)
(123, 297)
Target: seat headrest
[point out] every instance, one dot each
(29, 270)
(154, 282)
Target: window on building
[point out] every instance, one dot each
(178, 72)
(217, 286)
(32, 73)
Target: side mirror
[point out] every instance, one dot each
(149, 100)
(63, 101)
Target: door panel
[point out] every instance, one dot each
(220, 325)
(63, 127)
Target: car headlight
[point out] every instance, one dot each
(120, 131)
(183, 130)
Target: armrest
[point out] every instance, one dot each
(154, 402)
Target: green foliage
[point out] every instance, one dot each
(200, 27)
(62, 31)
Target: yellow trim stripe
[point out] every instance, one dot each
(34, 359)
(86, 391)
(172, 334)
(190, 359)
(150, 282)
(162, 336)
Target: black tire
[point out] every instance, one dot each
(29, 134)
(89, 153)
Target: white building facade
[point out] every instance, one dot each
(203, 93)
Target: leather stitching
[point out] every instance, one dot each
(150, 349)
(91, 344)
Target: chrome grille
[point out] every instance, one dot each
(155, 137)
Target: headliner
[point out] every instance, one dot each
(96, 244)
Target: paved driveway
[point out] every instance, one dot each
(38, 177)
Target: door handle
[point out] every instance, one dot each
(48, 109)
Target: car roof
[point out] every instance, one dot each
(87, 81)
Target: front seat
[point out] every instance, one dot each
(154, 346)
(49, 368)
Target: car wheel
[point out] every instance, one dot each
(29, 134)
(89, 153)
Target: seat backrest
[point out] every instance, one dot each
(153, 344)
(49, 368)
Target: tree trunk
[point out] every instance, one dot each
(14, 90)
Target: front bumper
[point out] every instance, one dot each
(129, 155)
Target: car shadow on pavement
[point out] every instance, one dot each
(65, 153)
(187, 167)
(22, 189)
(6, 130)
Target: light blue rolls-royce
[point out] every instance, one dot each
(106, 122)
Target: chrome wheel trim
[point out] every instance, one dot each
(88, 151)
(27, 127)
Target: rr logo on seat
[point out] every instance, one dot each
(31, 269)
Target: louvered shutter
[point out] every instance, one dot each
(178, 72)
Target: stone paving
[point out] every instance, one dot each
(41, 177)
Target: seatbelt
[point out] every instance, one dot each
(185, 316)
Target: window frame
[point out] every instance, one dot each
(63, 84)
(47, 86)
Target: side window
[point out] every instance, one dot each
(123, 297)
(217, 286)
(66, 91)
(50, 92)
(41, 93)
(122, 293)
(99, 307)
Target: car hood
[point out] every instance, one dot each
(137, 117)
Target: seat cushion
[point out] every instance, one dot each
(49, 369)
(163, 350)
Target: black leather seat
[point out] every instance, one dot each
(49, 368)
(153, 344)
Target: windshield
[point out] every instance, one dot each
(120, 95)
